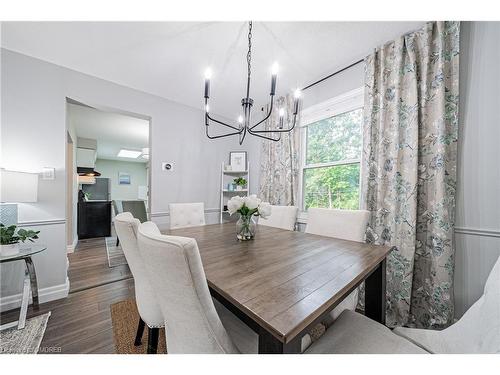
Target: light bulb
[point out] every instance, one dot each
(282, 112)
(208, 73)
(240, 119)
(207, 108)
(297, 93)
(275, 68)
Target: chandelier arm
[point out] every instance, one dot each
(277, 130)
(267, 116)
(220, 122)
(219, 136)
(265, 137)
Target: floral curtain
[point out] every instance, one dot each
(409, 169)
(279, 164)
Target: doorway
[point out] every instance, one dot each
(111, 152)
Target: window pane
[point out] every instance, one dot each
(332, 187)
(335, 138)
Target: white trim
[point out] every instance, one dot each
(166, 213)
(71, 248)
(37, 223)
(478, 232)
(332, 107)
(44, 295)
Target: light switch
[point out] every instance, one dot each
(48, 173)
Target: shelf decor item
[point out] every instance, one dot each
(238, 161)
(247, 207)
(11, 236)
(240, 183)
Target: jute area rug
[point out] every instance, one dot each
(125, 318)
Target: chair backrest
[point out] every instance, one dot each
(478, 330)
(117, 206)
(175, 271)
(126, 227)
(345, 224)
(283, 217)
(137, 208)
(184, 215)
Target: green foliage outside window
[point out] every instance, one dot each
(333, 140)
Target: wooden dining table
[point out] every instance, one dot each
(283, 283)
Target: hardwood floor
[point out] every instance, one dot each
(88, 266)
(81, 323)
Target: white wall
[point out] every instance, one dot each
(477, 234)
(111, 168)
(34, 136)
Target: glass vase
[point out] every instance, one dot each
(245, 227)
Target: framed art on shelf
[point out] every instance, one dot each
(238, 160)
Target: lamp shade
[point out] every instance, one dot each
(18, 187)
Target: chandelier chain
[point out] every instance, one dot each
(249, 54)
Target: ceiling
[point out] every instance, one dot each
(168, 58)
(112, 131)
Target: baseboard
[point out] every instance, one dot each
(71, 248)
(44, 295)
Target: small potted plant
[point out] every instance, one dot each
(247, 207)
(11, 236)
(240, 183)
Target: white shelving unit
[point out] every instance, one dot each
(227, 177)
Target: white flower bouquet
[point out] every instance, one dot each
(247, 207)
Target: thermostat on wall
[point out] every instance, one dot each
(167, 166)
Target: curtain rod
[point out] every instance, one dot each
(335, 73)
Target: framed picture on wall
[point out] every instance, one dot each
(123, 178)
(238, 160)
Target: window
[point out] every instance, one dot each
(331, 153)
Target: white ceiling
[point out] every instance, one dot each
(168, 58)
(112, 131)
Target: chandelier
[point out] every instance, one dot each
(243, 126)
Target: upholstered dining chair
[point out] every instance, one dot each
(283, 217)
(184, 215)
(150, 314)
(344, 224)
(477, 331)
(175, 271)
(137, 208)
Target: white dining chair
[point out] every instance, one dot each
(185, 215)
(283, 217)
(344, 224)
(126, 227)
(354, 333)
(477, 331)
(175, 271)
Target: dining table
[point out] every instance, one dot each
(283, 283)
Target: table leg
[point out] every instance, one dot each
(268, 344)
(25, 300)
(34, 285)
(375, 294)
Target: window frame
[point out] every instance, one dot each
(335, 106)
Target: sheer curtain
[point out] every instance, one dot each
(409, 169)
(279, 164)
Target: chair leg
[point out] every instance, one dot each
(140, 332)
(117, 242)
(153, 334)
